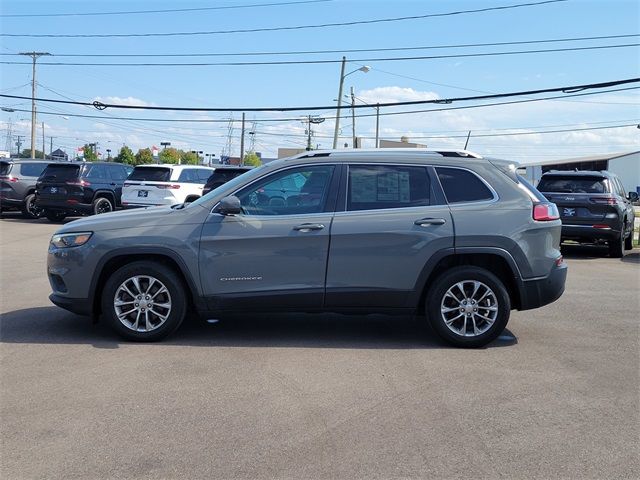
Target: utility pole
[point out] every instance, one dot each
(34, 56)
(337, 128)
(353, 120)
(377, 125)
(309, 134)
(242, 142)
(43, 147)
(50, 146)
(19, 143)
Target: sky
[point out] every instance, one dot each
(582, 119)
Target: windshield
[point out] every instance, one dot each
(230, 185)
(151, 174)
(60, 173)
(572, 184)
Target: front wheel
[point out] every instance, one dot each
(144, 301)
(468, 306)
(30, 210)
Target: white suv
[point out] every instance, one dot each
(152, 185)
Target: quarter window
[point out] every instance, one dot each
(294, 191)
(462, 186)
(373, 187)
(32, 169)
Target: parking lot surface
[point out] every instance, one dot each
(320, 396)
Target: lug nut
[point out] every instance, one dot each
(137, 304)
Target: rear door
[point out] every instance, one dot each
(275, 252)
(581, 199)
(392, 222)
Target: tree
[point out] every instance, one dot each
(144, 155)
(26, 153)
(126, 156)
(190, 158)
(169, 155)
(89, 154)
(252, 159)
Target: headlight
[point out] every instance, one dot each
(65, 240)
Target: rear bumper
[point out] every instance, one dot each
(542, 291)
(588, 233)
(80, 306)
(64, 205)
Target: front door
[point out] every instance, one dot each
(275, 251)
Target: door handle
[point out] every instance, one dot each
(424, 222)
(307, 227)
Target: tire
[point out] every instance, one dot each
(54, 216)
(628, 242)
(155, 321)
(482, 321)
(30, 210)
(102, 205)
(616, 246)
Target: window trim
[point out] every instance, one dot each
(495, 198)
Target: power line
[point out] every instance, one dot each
(274, 29)
(173, 10)
(315, 62)
(296, 119)
(566, 89)
(319, 52)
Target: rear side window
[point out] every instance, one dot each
(32, 169)
(572, 184)
(60, 173)
(5, 168)
(151, 174)
(95, 172)
(462, 186)
(118, 172)
(188, 175)
(373, 187)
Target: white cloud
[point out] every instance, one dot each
(129, 101)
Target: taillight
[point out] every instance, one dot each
(9, 179)
(603, 200)
(79, 183)
(172, 187)
(545, 212)
(602, 226)
(559, 261)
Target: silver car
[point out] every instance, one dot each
(450, 235)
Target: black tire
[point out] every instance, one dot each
(616, 246)
(500, 301)
(102, 205)
(628, 242)
(30, 210)
(176, 298)
(54, 216)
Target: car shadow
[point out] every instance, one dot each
(51, 325)
(584, 252)
(633, 257)
(17, 217)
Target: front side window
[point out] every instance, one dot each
(461, 186)
(374, 187)
(290, 192)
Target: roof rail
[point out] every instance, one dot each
(382, 151)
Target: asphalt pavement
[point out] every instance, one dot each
(320, 396)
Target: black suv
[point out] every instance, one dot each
(222, 175)
(18, 185)
(66, 189)
(594, 207)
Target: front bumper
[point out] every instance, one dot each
(80, 306)
(543, 291)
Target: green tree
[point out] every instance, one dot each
(252, 159)
(169, 155)
(189, 158)
(126, 156)
(143, 156)
(26, 153)
(89, 154)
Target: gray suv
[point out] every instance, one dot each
(450, 235)
(18, 185)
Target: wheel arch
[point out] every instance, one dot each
(109, 195)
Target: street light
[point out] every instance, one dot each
(364, 69)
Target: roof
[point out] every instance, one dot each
(590, 158)
(173, 165)
(578, 173)
(386, 152)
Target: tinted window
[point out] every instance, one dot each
(117, 172)
(95, 172)
(222, 176)
(60, 173)
(5, 168)
(379, 186)
(300, 190)
(462, 186)
(189, 175)
(32, 169)
(572, 184)
(151, 174)
(203, 175)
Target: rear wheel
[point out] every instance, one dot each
(628, 242)
(30, 210)
(616, 246)
(144, 301)
(54, 216)
(102, 205)
(468, 306)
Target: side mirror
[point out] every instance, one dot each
(230, 205)
(633, 196)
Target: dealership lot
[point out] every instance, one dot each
(308, 396)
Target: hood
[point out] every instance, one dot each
(140, 217)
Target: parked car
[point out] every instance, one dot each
(156, 185)
(79, 188)
(222, 175)
(459, 238)
(593, 206)
(18, 179)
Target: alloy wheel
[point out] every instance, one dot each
(469, 308)
(142, 303)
